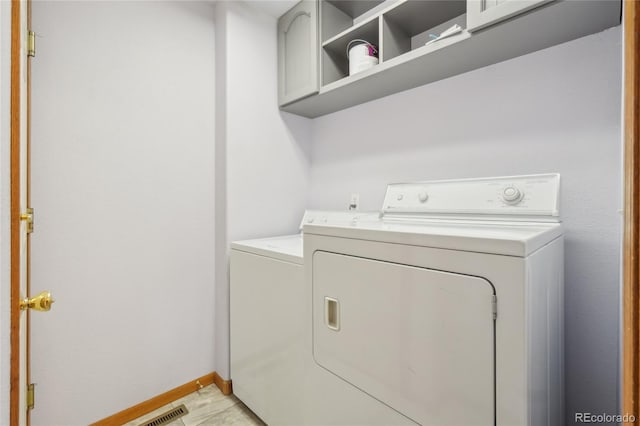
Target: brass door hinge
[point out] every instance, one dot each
(28, 217)
(31, 396)
(31, 43)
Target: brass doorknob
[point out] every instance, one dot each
(41, 302)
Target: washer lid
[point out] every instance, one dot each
(287, 248)
(506, 238)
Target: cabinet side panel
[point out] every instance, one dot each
(298, 46)
(395, 41)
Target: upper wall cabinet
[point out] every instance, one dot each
(298, 45)
(482, 13)
(408, 37)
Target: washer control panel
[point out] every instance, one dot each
(531, 195)
(330, 217)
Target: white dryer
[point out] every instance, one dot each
(449, 310)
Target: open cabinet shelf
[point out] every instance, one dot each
(401, 28)
(335, 60)
(408, 25)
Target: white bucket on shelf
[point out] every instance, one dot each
(362, 56)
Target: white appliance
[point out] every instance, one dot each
(448, 310)
(266, 278)
(272, 369)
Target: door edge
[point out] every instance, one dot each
(15, 129)
(630, 373)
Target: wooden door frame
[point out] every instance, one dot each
(16, 111)
(631, 242)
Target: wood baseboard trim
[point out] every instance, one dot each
(224, 385)
(156, 402)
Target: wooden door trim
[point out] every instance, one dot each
(631, 243)
(16, 72)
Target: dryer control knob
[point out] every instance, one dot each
(423, 197)
(512, 195)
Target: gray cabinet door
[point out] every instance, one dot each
(298, 45)
(482, 13)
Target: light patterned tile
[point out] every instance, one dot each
(205, 403)
(237, 415)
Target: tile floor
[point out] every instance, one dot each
(207, 407)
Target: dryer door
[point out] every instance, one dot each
(419, 340)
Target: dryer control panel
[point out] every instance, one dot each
(528, 195)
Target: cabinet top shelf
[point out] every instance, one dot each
(367, 30)
(355, 31)
(417, 16)
(355, 8)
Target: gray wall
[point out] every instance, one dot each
(556, 110)
(123, 183)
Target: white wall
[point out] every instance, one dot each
(266, 151)
(123, 183)
(5, 211)
(557, 110)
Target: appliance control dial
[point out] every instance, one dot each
(512, 195)
(423, 197)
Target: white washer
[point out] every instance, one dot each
(266, 277)
(272, 371)
(449, 310)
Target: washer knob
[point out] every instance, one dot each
(512, 195)
(423, 197)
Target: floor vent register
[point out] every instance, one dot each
(168, 417)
